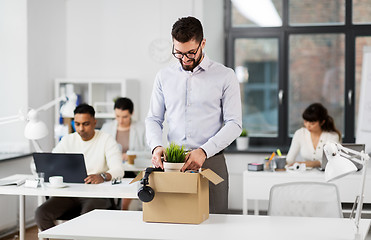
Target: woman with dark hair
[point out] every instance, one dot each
(318, 128)
(129, 134)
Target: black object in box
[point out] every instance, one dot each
(255, 167)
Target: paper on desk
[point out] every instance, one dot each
(6, 182)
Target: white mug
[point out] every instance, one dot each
(56, 180)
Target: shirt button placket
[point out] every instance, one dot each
(188, 105)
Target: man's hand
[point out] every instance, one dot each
(156, 157)
(194, 160)
(94, 179)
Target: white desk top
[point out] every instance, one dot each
(104, 190)
(257, 184)
(118, 225)
(140, 164)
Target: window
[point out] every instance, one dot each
(257, 70)
(291, 54)
(316, 73)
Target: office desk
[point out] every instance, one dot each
(140, 164)
(117, 225)
(257, 185)
(103, 190)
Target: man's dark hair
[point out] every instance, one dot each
(187, 29)
(84, 108)
(124, 104)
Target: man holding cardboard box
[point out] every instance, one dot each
(202, 102)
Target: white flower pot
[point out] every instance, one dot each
(242, 143)
(172, 167)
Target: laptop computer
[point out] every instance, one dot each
(355, 147)
(69, 165)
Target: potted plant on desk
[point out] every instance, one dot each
(242, 142)
(174, 158)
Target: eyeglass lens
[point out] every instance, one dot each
(188, 55)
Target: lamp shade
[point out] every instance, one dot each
(337, 167)
(35, 129)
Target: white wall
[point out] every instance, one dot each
(13, 72)
(32, 46)
(112, 38)
(213, 23)
(41, 40)
(46, 56)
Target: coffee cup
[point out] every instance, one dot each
(131, 155)
(131, 159)
(56, 180)
(280, 162)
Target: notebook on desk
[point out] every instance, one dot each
(17, 182)
(355, 147)
(69, 165)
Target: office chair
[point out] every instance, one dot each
(305, 199)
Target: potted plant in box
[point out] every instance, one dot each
(174, 157)
(242, 142)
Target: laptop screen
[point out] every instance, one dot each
(353, 146)
(69, 165)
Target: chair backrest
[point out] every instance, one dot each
(305, 199)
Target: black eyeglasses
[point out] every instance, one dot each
(188, 54)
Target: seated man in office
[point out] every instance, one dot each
(102, 160)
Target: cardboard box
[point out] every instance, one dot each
(179, 197)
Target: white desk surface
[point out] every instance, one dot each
(103, 190)
(119, 225)
(140, 164)
(257, 185)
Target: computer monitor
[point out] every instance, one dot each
(353, 146)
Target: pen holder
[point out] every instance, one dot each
(269, 165)
(280, 163)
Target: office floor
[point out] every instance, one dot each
(31, 234)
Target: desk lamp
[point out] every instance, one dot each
(35, 129)
(340, 164)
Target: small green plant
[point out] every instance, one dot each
(243, 133)
(175, 153)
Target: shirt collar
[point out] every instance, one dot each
(203, 65)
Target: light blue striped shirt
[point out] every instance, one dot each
(203, 107)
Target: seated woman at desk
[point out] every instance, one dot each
(318, 128)
(129, 134)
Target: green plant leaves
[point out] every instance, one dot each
(243, 133)
(175, 153)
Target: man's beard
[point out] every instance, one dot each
(193, 65)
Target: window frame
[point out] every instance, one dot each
(282, 33)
